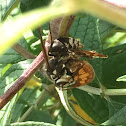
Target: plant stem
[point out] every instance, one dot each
(8, 95)
(22, 51)
(98, 91)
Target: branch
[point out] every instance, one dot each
(8, 95)
(23, 52)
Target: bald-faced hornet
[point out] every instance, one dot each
(67, 70)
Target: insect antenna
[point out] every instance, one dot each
(43, 49)
(51, 39)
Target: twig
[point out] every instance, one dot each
(22, 51)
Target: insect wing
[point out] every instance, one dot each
(90, 54)
(84, 75)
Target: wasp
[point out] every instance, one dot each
(65, 67)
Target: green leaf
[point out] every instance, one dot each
(40, 116)
(12, 74)
(105, 29)
(95, 106)
(17, 112)
(116, 37)
(3, 69)
(45, 32)
(7, 112)
(89, 30)
(11, 56)
(122, 78)
(5, 82)
(64, 119)
(86, 28)
(118, 118)
(34, 46)
(28, 5)
(32, 123)
(114, 107)
(6, 7)
(27, 98)
(114, 66)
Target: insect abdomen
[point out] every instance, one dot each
(71, 43)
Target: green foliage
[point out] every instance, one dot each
(94, 105)
(114, 66)
(28, 5)
(6, 81)
(116, 118)
(6, 113)
(93, 33)
(89, 30)
(7, 7)
(30, 123)
(122, 78)
(65, 119)
(11, 56)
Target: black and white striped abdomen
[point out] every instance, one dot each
(71, 43)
